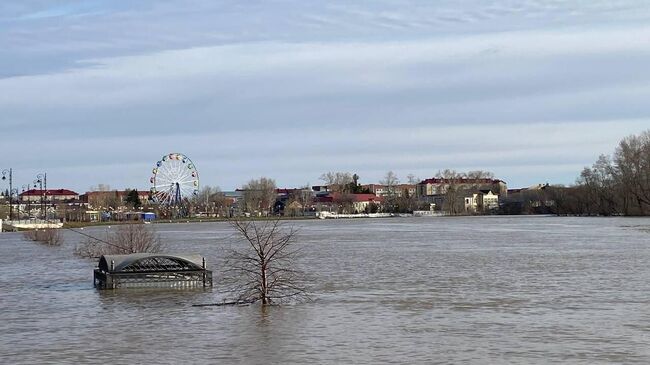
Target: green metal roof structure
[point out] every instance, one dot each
(151, 270)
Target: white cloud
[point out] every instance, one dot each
(296, 70)
(520, 154)
(293, 105)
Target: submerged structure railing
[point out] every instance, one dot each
(148, 270)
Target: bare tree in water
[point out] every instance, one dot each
(264, 270)
(47, 236)
(125, 239)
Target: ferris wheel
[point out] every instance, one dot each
(175, 180)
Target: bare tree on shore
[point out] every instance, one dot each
(262, 268)
(305, 198)
(104, 199)
(456, 185)
(390, 181)
(619, 184)
(299, 201)
(342, 185)
(632, 162)
(452, 191)
(202, 201)
(599, 186)
(412, 179)
(259, 195)
(211, 201)
(339, 182)
(221, 204)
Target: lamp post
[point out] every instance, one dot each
(41, 179)
(26, 187)
(11, 190)
(12, 193)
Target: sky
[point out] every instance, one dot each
(97, 91)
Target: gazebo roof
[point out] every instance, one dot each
(150, 262)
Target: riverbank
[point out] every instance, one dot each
(321, 215)
(183, 220)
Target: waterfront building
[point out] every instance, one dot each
(111, 198)
(398, 190)
(481, 201)
(51, 195)
(348, 203)
(438, 186)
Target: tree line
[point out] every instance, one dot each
(616, 184)
(259, 197)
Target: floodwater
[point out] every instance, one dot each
(477, 290)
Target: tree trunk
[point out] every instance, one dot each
(264, 296)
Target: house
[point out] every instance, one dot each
(320, 188)
(348, 203)
(487, 200)
(233, 196)
(531, 200)
(362, 202)
(49, 195)
(294, 201)
(438, 186)
(111, 199)
(232, 202)
(480, 201)
(399, 190)
(471, 203)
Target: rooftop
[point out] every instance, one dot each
(463, 180)
(48, 192)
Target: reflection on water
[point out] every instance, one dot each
(476, 290)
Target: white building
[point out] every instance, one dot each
(481, 201)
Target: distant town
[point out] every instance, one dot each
(614, 185)
(448, 193)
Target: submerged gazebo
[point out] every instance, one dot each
(149, 270)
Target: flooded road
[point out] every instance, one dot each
(410, 290)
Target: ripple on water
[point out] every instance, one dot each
(452, 290)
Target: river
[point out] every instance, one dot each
(475, 290)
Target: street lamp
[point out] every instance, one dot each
(26, 187)
(41, 179)
(11, 190)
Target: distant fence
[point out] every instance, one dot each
(330, 215)
(12, 225)
(429, 213)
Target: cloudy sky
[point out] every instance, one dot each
(96, 91)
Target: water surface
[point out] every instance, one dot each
(420, 290)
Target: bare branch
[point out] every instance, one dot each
(125, 239)
(265, 270)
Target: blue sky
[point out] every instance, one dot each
(95, 92)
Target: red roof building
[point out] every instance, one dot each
(398, 190)
(348, 203)
(435, 180)
(35, 195)
(438, 186)
(111, 198)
